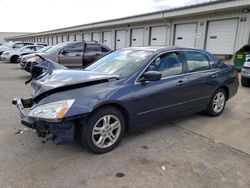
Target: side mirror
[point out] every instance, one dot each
(151, 76)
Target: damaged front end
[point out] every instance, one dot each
(61, 98)
(58, 129)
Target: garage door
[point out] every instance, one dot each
(221, 36)
(59, 38)
(50, 41)
(107, 36)
(96, 37)
(78, 37)
(71, 37)
(158, 36)
(86, 37)
(137, 37)
(65, 38)
(120, 39)
(185, 35)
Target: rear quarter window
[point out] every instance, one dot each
(92, 48)
(104, 49)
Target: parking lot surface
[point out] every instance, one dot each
(192, 151)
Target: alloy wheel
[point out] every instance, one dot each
(219, 102)
(106, 131)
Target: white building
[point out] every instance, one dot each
(221, 27)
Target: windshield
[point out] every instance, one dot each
(7, 44)
(123, 62)
(56, 47)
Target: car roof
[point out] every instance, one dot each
(32, 45)
(161, 48)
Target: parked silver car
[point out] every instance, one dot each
(245, 74)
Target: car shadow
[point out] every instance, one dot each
(159, 126)
(20, 78)
(7, 62)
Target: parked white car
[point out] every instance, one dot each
(12, 55)
(17, 45)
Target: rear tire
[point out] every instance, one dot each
(217, 103)
(103, 130)
(14, 59)
(245, 82)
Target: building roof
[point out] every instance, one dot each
(200, 8)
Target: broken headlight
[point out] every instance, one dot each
(52, 111)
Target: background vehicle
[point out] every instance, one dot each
(245, 74)
(75, 54)
(17, 45)
(12, 55)
(125, 90)
(22, 59)
(241, 57)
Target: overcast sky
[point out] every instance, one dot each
(43, 15)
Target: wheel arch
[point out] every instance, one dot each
(13, 56)
(226, 89)
(118, 106)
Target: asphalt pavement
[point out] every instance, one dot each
(192, 151)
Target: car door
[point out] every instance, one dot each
(156, 100)
(202, 78)
(72, 55)
(92, 52)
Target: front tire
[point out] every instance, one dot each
(217, 103)
(245, 82)
(103, 130)
(14, 59)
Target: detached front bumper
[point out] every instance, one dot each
(60, 132)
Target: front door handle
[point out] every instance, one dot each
(180, 83)
(214, 75)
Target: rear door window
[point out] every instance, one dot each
(74, 48)
(38, 48)
(197, 61)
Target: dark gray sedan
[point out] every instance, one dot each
(126, 90)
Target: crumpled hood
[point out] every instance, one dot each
(60, 79)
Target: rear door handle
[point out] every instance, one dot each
(180, 83)
(214, 75)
